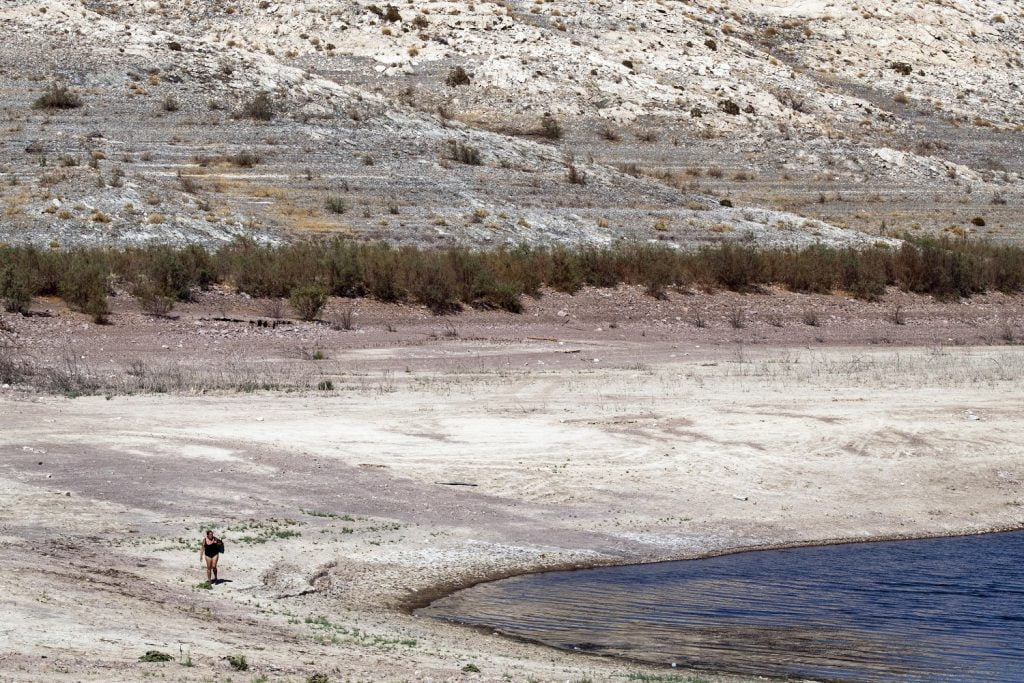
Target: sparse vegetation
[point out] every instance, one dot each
(550, 128)
(344, 320)
(575, 175)
(58, 97)
(155, 656)
(259, 108)
(729, 107)
(793, 99)
(153, 302)
(458, 76)
(245, 159)
(238, 662)
(737, 318)
(464, 153)
(902, 68)
(336, 205)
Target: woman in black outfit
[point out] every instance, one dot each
(210, 550)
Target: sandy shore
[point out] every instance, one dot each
(339, 511)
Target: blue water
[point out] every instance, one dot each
(949, 609)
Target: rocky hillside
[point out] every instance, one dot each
(782, 122)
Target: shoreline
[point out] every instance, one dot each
(425, 597)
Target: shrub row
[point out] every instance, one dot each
(447, 279)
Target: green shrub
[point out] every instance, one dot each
(812, 270)
(931, 267)
(308, 301)
(503, 295)
(245, 159)
(155, 656)
(737, 268)
(902, 68)
(864, 273)
(444, 280)
(564, 273)
(659, 273)
(550, 128)
(260, 108)
(83, 284)
(436, 288)
(1005, 266)
(263, 271)
(15, 289)
(238, 662)
(167, 271)
(384, 276)
(463, 153)
(98, 308)
(153, 302)
(336, 205)
(57, 97)
(458, 76)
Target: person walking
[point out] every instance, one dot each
(210, 550)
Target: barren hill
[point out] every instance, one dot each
(503, 122)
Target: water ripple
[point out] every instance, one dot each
(945, 609)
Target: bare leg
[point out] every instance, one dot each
(213, 563)
(209, 568)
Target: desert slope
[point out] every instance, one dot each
(816, 121)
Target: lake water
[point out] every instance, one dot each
(948, 609)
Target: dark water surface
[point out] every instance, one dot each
(947, 609)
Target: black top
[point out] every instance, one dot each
(212, 548)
